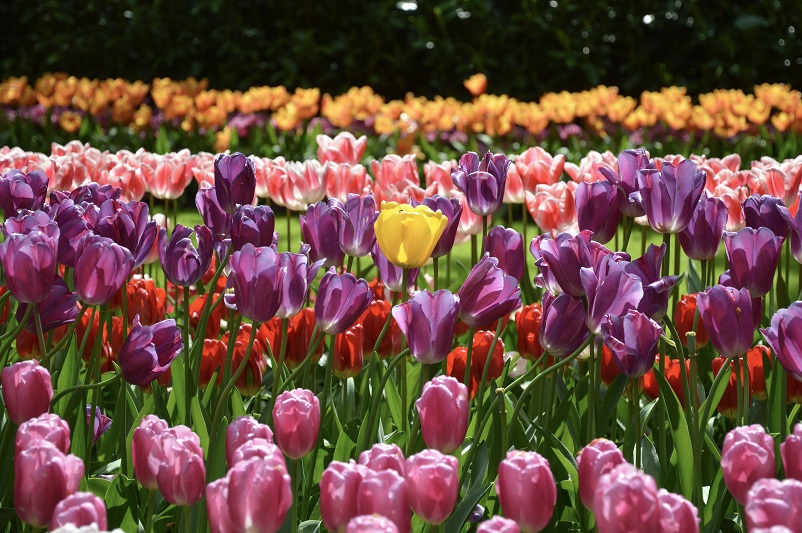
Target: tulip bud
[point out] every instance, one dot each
(296, 422)
(234, 181)
(339, 486)
(771, 503)
(149, 351)
(385, 493)
(27, 390)
(46, 427)
(498, 524)
(433, 485)
(383, 456)
(595, 460)
(677, 515)
(746, 456)
(428, 321)
(791, 452)
(143, 440)
(29, 263)
(341, 298)
(443, 398)
(258, 448)
(242, 430)
(483, 182)
(371, 524)
(181, 474)
(626, 501)
(80, 509)
(526, 490)
(487, 293)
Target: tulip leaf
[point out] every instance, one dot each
(610, 400)
(310, 526)
(777, 405)
(216, 461)
(463, 510)
(121, 504)
(179, 388)
(715, 395)
(148, 409)
(200, 422)
(716, 496)
(693, 280)
(394, 403)
(345, 441)
(680, 434)
(237, 405)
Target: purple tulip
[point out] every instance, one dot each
(753, 256)
(100, 423)
(95, 194)
(795, 224)
(766, 212)
(57, 310)
(295, 277)
(554, 337)
(29, 264)
(72, 228)
(507, 246)
(561, 258)
(669, 195)
(452, 210)
(254, 281)
(482, 182)
(656, 289)
(630, 162)
(341, 298)
(596, 210)
(428, 322)
(22, 191)
(487, 293)
(149, 350)
(785, 338)
(391, 275)
(214, 216)
(727, 315)
(633, 341)
(182, 263)
(320, 228)
(127, 225)
(101, 269)
(610, 290)
(25, 221)
(356, 218)
(234, 181)
(701, 239)
(254, 225)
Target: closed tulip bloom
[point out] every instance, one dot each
(43, 476)
(392, 276)
(257, 447)
(253, 283)
(252, 225)
(773, 504)
(80, 509)
(29, 264)
(99, 423)
(339, 486)
(487, 293)
(214, 216)
(633, 340)
(791, 452)
(26, 221)
(677, 515)
(554, 337)
(432, 485)
(746, 456)
(701, 239)
(630, 162)
(22, 191)
(347, 358)
(143, 440)
(342, 148)
(357, 217)
(443, 398)
(596, 209)
(234, 181)
(684, 315)
(507, 246)
(669, 195)
(296, 422)
(371, 524)
(58, 309)
(457, 359)
(182, 263)
(656, 289)
(727, 315)
(295, 276)
(149, 350)
(72, 228)
(407, 235)
(452, 211)
(784, 336)
(320, 229)
(610, 290)
(498, 524)
(626, 501)
(385, 493)
(177, 458)
(101, 269)
(341, 298)
(428, 321)
(373, 320)
(561, 258)
(753, 256)
(795, 225)
(46, 427)
(95, 194)
(383, 456)
(593, 461)
(483, 182)
(127, 224)
(526, 490)
(527, 325)
(27, 390)
(240, 431)
(766, 212)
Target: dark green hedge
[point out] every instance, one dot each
(526, 47)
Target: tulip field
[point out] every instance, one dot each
(360, 341)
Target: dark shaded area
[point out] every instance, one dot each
(526, 47)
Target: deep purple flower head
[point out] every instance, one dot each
(669, 195)
(785, 338)
(22, 191)
(766, 212)
(701, 239)
(25, 221)
(656, 289)
(127, 224)
(72, 228)
(482, 182)
(320, 228)
(428, 321)
(727, 315)
(214, 216)
(753, 256)
(610, 290)
(101, 269)
(630, 162)
(234, 181)
(795, 224)
(252, 287)
(182, 263)
(596, 209)
(100, 423)
(341, 299)
(356, 218)
(487, 293)
(554, 337)
(507, 246)
(29, 264)
(452, 210)
(295, 278)
(56, 310)
(633, 341)
(149, 350)
(560, 260)
(95, 194)
(254, 225)
(391, 275)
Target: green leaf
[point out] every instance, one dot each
(345, 441)
(310, 526)
(715, 395)
(394, 403)
(680, 434)
(217, 460)
(200, 422)
(121, 503)
(610, 400)
(237, 405)
(179, 388)
(465, 507)
(693, 280)
(718, 493)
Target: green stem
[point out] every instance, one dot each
(289, 229)
(426, 372)
(91, 386)
(70, 330)
(40, 334)
(294, 509)
(93, 372)
(638, 431)
(486, 370)
(708, 403)
(350, 263)
(592, 393)
(375, 400)
(149, 516)
(473, 249)
(468, 357)
(695, 435)
(125, 309)
(484, 233)
(524, 224)
(436, 271)
(739, 412)
(502, 411)
(12, 335)
(188, 373)
(316, 339)
(629, 223)
(285, 324)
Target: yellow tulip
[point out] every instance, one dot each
(407, 235)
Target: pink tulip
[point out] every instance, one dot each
(296, 422)
(166, 177)
(371, 524)
(383, 457)
(217, 506)
(338, 488)
(747, 455)
(514, 192)
(437, 177)
(626, 501)
(772, 503)
(266, 170)
(43, 476)
(80, 509)
(553, 207)
(385, 493)
(432, 485)
(144, 439)
(443, 398)
(677, 515)
(47, 427)
(303, 184)
(27, 390)
(538, 167)
(345, 179)
(257, 448)
(791, 453)
(589, 165)
(498, 524)
(240, 431)
(595, 460)
(343, 148)
(177, 458)
(397, 179)
(526, 490)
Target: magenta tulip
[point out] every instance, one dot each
(296, 422)
(144, 440)
(177, 458)
(630, 162)
(626, 501)
(259, 495)
(791, 453)
(22, 191)
(253, 284)
(556, 339)
(432, 484)
(383, 456)
(443, 398)
(182, 263)
(677, 515)
(79, 510)
(784, 336)
(498, 524)
(487, 293)
(295, 277)
(27, 390)
(339, 486)
(610, 290)
(701, 239)
(252, 225)
(746, 456)
(149, 351)
(371, 524)
(46, 427)
(234, 181)
(482, 182)
(774, 504)
(669, 195)
(593, 461)
(29, 264)
(753, 256)
(507, 246)
(385, 493)
(240, 431)
(633, 341)
(726, 313)
(257, 448)
(526, 490)
(596, 209)
(101, 269)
